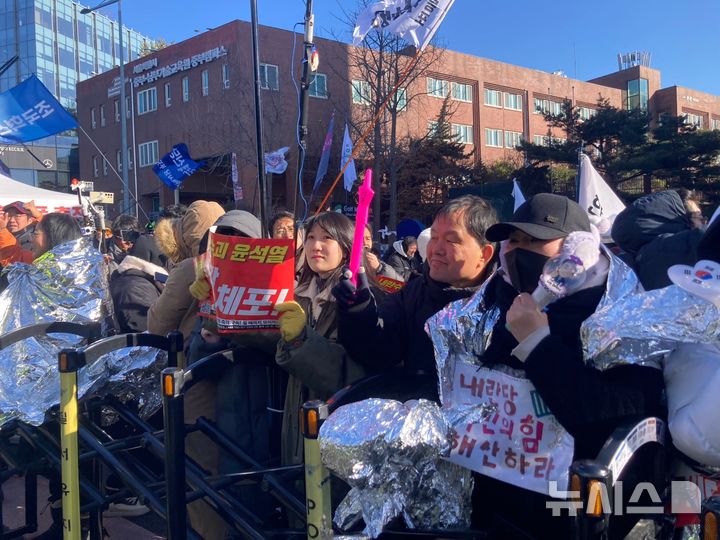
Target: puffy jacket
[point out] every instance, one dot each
(400, 262)
(656, 233)
(134, 287)
(15, 247)
(176, 309)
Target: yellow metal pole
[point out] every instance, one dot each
(317, 477)
(69, 446)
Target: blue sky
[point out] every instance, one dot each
(580, 38)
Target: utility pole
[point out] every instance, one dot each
(258, 120)
(304, 99)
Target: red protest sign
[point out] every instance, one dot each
(248, 276)
(389, 285)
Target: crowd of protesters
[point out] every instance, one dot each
(334, 333)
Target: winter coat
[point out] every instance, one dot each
(146, 248)
(394, 333)
(385, 270)
(15, 247)
(176, 309)
(656, 233)
(134, 287)
(588, 403)
(317, 364)
(400, 262)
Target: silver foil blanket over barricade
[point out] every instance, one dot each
(643, 327)
(68, 284)
(390, 454)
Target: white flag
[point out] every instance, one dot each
(350, 173)
(413, 20)
(517, 195)
(597, 198)
(275, 161)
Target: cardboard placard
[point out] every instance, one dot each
(248, 276)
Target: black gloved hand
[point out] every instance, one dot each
(347, 295)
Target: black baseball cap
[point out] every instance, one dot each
(544, 216)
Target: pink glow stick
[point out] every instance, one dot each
(365, 196)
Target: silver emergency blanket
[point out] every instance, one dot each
(69, 284)
(390, 454)
(643, 327)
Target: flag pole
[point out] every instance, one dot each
(579, 171)
(370, 128)
(258, 120)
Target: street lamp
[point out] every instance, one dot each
(123, 112)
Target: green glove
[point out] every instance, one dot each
(292, 320)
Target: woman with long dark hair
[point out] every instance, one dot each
(54, 229)
(308, 349)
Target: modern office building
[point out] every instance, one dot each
(62, 47)
(200, 92)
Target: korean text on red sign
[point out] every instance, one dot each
(521, 442)
(248, 278)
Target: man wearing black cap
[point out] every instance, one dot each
(544, 346)
(17, 223)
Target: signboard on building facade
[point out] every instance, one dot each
(181, 65)
(16, 156)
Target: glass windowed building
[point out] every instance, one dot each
(62, 47)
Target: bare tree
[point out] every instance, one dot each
(376, 68)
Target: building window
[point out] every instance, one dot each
(148, 153)
(547, 106)
(130, 159)
(318, 86)
(586, 113)
(462, 92)
(116, 104)
(147, 100)
(118, 159)
(93, 124)
(128, 106)
(513, 139)
(269, 77)
(186, 89)
(494, 137)
(96, 169)
(432, 128)
(105, 167)
(493, 98)
(691, 119)
(513, 101)
(361, 92)
(205, 82)
(401, 99)
(226, 76)
(102, 115)
(637, 94)
(544, 140)
(437, 87)
(715, 123)
(168, 95)
(464, 133)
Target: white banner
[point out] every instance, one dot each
(413, 20)
(350, 172)
(597, 198)
(275, 161)
(522, 443)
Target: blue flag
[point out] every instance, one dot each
(29, 112)
(325, 156)
(175, 166)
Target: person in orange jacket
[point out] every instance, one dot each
(17, 222)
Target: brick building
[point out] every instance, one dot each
(200, 92)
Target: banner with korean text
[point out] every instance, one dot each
(521, 442)
(29, 112)
(248, 276)
(175, 166)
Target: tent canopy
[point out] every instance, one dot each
(45, 200)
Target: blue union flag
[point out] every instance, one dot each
(175, 166)
(29, 112)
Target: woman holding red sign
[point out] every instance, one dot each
(308, 349)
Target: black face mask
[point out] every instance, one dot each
(524, 268)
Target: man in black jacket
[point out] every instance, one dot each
(458, 258)
(544, 347)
